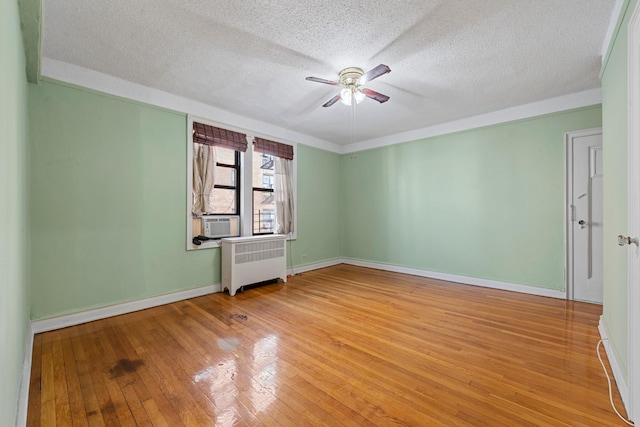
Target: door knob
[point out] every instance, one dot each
(626, 240)
(582, 222)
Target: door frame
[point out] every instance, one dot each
(633, 200)
(569, 214)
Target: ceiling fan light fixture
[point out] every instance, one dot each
(352, 79)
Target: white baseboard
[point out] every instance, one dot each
(72, 319)
(466, 280)
(66, 320)
(615, 367)
(23, 398)
(308, 267)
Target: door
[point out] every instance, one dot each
(633, 358)
(585, 215)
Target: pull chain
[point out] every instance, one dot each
(353, 120)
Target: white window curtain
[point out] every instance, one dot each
(284, 196)
(204, 161)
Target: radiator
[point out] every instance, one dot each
(248, 260)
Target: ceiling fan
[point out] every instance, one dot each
(352, 79)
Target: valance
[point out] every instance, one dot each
(278, 149)
(211, 135)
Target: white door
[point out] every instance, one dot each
(585, 215)
(633, 408)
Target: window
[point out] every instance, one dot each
(265, 221)
(272, 187)
(264, 202)
(226, 194)
(266, 162)
(215, 178)
(218, 193)
(231, 173)
(267, 181)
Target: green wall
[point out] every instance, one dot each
(108, 194)
(486, 203)
(614, 118)
(319, 208)
(108, 184)
(14, 234)
(108, 189)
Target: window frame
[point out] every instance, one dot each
(245, 182)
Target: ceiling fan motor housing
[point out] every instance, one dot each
(350, 77)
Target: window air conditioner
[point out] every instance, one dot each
(216, 226)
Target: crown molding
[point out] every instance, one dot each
(95, 80)
(548, 106)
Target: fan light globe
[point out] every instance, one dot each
(359, 96)
(345, 96)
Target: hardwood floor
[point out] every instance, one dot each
(341, 346)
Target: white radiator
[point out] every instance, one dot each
(248, 260)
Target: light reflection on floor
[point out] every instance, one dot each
(225, 385)
(263, 380)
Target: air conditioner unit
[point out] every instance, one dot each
(216, 226)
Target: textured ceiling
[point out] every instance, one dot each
(450, 59)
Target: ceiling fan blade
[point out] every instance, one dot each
(332, 101)
(319, 80)
(374, 95)
(374, 73)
